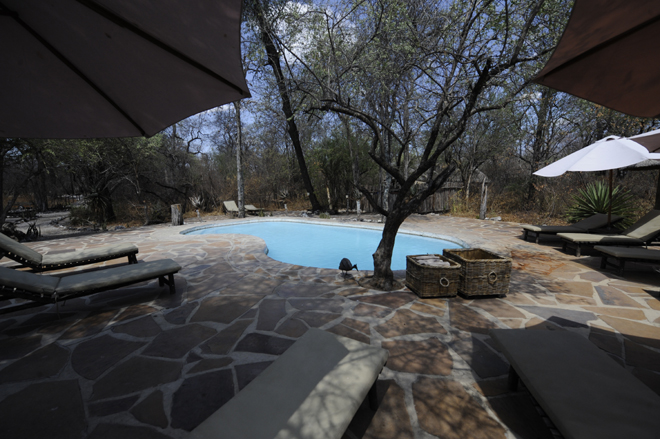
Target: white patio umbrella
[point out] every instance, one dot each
(610, 153)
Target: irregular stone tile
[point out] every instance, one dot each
(4, 324)
(391, 421)
(134, 375)
(114, 431)
(626, 313)
(271, 311)
(584, 289)
(90, 325)
(199, 397)
(303, 289)
(45, 323)
(142, 327)
(435, 302)
(353, 291)
(93, 357)
(150, 410)
(363, 327)
(175, 343)
(614, 297)
(497, 308)
(405, 322)
(426, 309)
(224, 286)
(292, 328)
(513, 323)
(568, 299)
(192, 357)
(222, 343)
(254, 285)
(224, 309)
(245, 373)
(179, 315)
(345, 331)
(429, 357)
(651, 379)
(390, 300)
(136, 311)
(105, 408)
(606, 340)
(640, 356)
(42, 363)
(465, 319)
(537, 324)
(252, 313)
(200, 287)
(519, 298)
(376, 312)
(46, 410)
(593, 276)
(316, 319)
(638, 332)
(518, 413)
(263, 344)
(653, 303)
(330, 305)
(495, 387)
(446, 410)
(210, 364)
(562, 317)
(482, 360)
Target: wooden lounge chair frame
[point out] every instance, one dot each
(28, 258)
(45, 289)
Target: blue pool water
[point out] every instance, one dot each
(314, 245)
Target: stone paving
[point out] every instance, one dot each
(140, 363)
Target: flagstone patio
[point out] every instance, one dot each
(139, 363)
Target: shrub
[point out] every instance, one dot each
(595, 198)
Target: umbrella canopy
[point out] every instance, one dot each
(609, 153)
(610, 54)
(115, 68)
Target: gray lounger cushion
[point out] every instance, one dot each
(230, 206)
(645, 229)
(88, 254)
(587, 238)
(126, 274)
(584, 392)
(311, 391)
(593, 222)
(9, 245)
(28, 281)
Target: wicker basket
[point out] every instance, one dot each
(427, 281)
(483, 273)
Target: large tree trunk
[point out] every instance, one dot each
(383, 277)
(292, 128)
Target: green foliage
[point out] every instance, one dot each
(595, 199)
(324, 215)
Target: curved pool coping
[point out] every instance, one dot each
(325, 223)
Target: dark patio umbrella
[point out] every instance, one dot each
(610, 54)
(115, 68)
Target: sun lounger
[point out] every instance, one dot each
(583, 391)
(311, 391)
(230, 208)
(584, 226)
(38, 262)
(249, 208)
(643, 232)
(626, 254)
(43, 289)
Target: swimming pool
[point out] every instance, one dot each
(321, 245)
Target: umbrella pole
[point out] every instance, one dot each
(609, 210)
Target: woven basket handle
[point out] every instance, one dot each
(492, 277)
(444, 282)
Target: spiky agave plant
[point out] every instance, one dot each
(595, 198)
